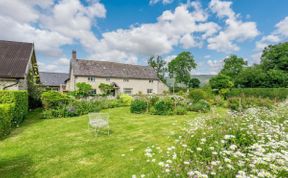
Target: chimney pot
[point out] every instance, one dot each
(74, 55)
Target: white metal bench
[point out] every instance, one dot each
(98, 121)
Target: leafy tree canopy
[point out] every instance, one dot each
(83, 89)
(106, 89)
(221, 83)
(181, 67)
(277, 78)
(275, 57)
(233, 65)
(159, 64)
(252, 77)
(194, 83)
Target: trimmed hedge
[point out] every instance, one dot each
(272, 93)
(6, 117)
(54, 100)
(20, 100)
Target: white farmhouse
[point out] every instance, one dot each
(126, 78)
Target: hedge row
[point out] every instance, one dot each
(20, 101)
(272, 93)
(6, 117)
(168, 105)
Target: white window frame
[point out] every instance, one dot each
(151, 81)
(128, 91)
(91, 79)
(125, 80)
(149, 91)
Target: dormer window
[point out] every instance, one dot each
(91, 79)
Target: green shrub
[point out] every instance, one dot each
(272, 93)
(54, 100)
(6, 117)
(109, 103)
(80, 107)
(138, 106)
(219, 101)
(239, 103)
(83, 90)
(114, 103)
(152, 100)
(200, 106)
(126, 99)
(20, 100)
(180, 110)
(197, 95)
(163, 107)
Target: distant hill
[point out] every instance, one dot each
(204, 79)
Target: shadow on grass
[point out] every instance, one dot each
(15, 167)
(101, 133)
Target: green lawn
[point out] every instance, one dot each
(65, 147)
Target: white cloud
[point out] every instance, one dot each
(188, 41)
(45, 41)
(18, 11)
(280, 34)
(53, 24)
(236, 30)
(74, 20)
(50, 24)
(173, 28)
(60, 65)
(152, 2)
(282, 27)
(215, 66)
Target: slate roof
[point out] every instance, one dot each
(14, 58)
(112, 70)
(53, 79)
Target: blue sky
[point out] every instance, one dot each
(130, 31)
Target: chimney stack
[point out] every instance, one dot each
(74, 55)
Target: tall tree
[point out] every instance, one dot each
(221, 83)
(252, 77)
(194, 83)
(275, 57)
(181, 67)
(159, 64)
(233, 65)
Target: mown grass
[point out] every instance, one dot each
(65, 148)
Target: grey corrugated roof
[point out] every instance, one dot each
(112, 69)
(53, 79)
(14, 58)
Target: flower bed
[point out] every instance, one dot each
(252, 143)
